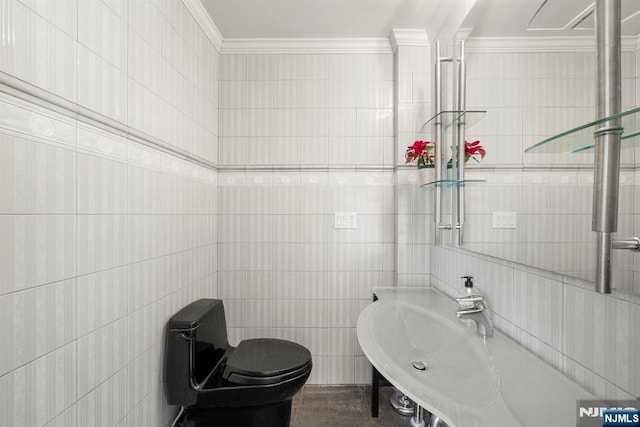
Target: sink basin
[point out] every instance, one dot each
(453, 360)
(467, 380)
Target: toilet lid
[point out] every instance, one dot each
(266, 361)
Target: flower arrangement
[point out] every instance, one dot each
(471, 150)
(422, 152)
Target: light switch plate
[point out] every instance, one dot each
(504, 220)
(345, 220)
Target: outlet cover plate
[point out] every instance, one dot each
(504, 220)
(345, 220)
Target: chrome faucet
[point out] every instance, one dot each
(479, 312)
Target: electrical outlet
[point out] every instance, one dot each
(345, 220)
(504, 220)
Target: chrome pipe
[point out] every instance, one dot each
(606, 179)
(177, 418)
(607, 138)
(417, 420)
(632, 244)
(439, 163)
(437, 135)
(604, 246)
(436, 421)
(461, 106)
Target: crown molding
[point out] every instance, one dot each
(408, 37)
(304, 45)
(541, 44)
(205, 22)
(463, 34)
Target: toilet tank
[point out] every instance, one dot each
(196, 342)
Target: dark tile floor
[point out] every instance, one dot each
(343, 406)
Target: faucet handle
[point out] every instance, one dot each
(470, 298)
(467, 311)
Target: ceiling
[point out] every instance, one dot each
(317, 18)
(526, 18)
(376, 18)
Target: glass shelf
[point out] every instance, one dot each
(580, 139)
(470, 117)
(627, 142)
(451, 182)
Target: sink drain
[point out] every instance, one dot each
(419, 365)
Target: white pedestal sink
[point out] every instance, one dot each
(468, 380)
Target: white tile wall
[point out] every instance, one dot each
(103, 237)
(278, 226)
(283, 266)
(288, 109)
(103, 31)
(34, 29)
(302, 111)
(36, 392)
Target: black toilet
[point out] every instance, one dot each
(219, 385)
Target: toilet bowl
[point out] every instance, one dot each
(216, 384)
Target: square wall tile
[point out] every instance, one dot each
(36, 177)
(101, 299)
(51, 237)
(42, 388)
(106, 403)
(101, 242)
(101, 30)
(100, 355)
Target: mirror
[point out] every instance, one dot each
(535, 208)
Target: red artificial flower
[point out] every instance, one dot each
(420, 151)
(471, 149)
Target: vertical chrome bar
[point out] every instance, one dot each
(604, 249)
(437, 136)
(461, 108)
(417, 420)
(607, 138)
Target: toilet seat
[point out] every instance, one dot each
(266, 361)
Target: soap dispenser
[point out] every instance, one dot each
(466, 291)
